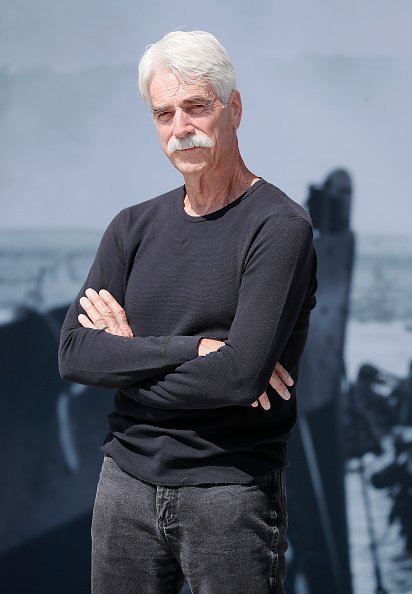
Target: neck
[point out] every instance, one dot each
(212, 190)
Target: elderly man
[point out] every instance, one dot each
(197, 303)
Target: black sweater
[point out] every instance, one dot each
(244, 274)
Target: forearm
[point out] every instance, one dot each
(218, 379)
(96, 358)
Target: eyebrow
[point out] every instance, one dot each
(207, 99)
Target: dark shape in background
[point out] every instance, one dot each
(317, 524)
(49, 483)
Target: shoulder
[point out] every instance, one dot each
(151, 206)
(131, 223)
(272, 209)
(279, 207)
(283, 230)
(145, 215)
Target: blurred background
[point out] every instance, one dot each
(326, 88)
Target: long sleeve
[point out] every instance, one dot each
(275, 298)
(97, 358)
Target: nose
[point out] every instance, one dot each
(182, 125)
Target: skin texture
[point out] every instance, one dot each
(214, 177)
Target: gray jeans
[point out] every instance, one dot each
(224, 539)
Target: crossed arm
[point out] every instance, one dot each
(184, 372)
(104, 312)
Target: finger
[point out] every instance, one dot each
(104, 312)
(255, 403)
(118, 311)
(279, 386)
(264, 401)
(283, 374)
(85, 322)
(92, 313)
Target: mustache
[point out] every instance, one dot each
(194, 141)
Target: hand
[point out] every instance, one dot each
(279, 379)
(104, 313)
(208, 345)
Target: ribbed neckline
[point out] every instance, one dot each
(217, 213)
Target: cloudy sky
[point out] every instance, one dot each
(325, 84)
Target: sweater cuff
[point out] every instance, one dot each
(179, 349)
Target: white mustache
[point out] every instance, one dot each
(194, 141)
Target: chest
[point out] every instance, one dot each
(185, 282)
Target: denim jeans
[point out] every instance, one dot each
(224, 538)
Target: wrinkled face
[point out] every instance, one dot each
(187, 115)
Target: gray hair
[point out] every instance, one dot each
(193, 56)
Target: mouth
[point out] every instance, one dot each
(187, 150)
(190, 149)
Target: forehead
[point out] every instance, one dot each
(167, 89)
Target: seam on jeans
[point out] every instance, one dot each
(275, 534)
(275, 556)
(282, 494)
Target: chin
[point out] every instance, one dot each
(189, 165)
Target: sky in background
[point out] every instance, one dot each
(325, 84)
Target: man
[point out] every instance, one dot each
(197, 303)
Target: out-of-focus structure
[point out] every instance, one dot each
(319, 559)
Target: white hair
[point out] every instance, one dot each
(193, 56)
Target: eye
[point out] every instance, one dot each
(164, 116)
(197, 108)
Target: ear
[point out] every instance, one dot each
(235, 104)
